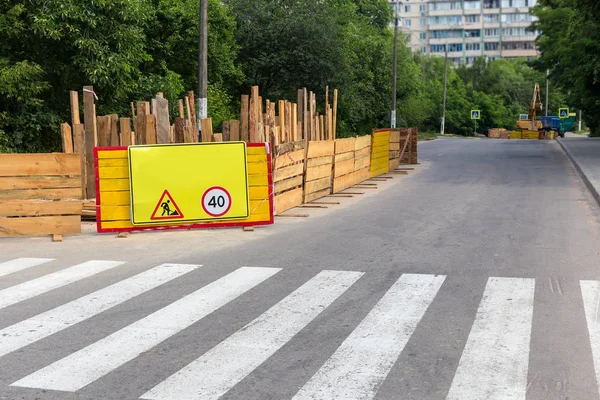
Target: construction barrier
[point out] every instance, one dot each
(409, 138)
(530, 135)
(394, 149)
(319, 167)
(380, 152)
(113, 200)
(288, 175)
(40, 194)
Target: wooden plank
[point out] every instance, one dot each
(150, 121)
(281, 120)
(226, 134)
(90, 139)
(305, 116)
(103, 130)
(335, 104)
(288, 200)
(179, 130)
(67, 138)
(125, 131)
(39, 182)
(74, 101)
(234, 129)
(361, 163)
(139, 126)
(395, 136)
(163, 123)
(343, 168)
(322, 127)
(343, 157)
(315, 162)
(319, 149)
(30, 208)
(394, 146)
(308, 197)
(254, 115)
(344, 182)
(288, 122)
(217, 137)
(79, 148)
(318, 172)
(366, 152)
(362, 142)
(289, 158)
(39, 164)
(114, 130)
(41, 194)
(244, 133)
(344, 145)
(114, 185)
(288, 184)
(394, 164)
(116, 198)
(287, 172)
(37, 226)
(206, 129)
(180, 108)
(317, 185)
(294, 120)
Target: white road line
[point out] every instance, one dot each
(20, 264)
(35, 287)
(590, 291)
(495, 359)
(361, 363)
(33, 329)
(222, 367)
(98, 359)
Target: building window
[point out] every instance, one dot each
(423, 49)
(473, 33)
(490, 18)
(472, 5)
(492, 32)
(455, 47)
(423, 35)
(422, 8)
(437, 48)
(473, 46)
(491, 4)
(407, 9)
(408, 22)
(423, 22)
(447, 5)
(491, 46)
(443, 34)
(471, 19)
(445, 20)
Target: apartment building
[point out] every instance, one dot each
(468, 29)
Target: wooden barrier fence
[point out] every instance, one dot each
(380, 152)
(288, 175)
(40, 194)
(408, 145)
(319, 166)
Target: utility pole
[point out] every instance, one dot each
(547, 74)
(202, 61)
(445, 83)
(579, 120)
(393, 116)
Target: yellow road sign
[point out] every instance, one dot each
(186, 183)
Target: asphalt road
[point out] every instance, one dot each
(474, 278)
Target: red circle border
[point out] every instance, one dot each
(228, 195)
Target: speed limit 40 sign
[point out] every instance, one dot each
(216, 201)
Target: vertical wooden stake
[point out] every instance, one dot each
(206, 129)
(90, 139)
(179, 130)
(74, 97)
(226, 135)
(294, 122)
(150, 129)
(132, 111)
(234, 128)
(67, 137)
(281, 110)
(288, 121)
(125, 132)
(335, 104)
(180, 108)
(326, 134)
(244, 118)
(114, 130)
(254, 118)
(193, 114)
(79, 148)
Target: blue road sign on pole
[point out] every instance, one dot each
(475, 114)
(563, 112)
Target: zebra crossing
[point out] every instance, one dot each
(493, 364)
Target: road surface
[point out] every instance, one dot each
(475, 278)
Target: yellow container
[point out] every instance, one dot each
(515, 134)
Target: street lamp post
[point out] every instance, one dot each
(394, 66)
(445, 85)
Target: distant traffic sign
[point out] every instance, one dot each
(563, 112)
(475, 114)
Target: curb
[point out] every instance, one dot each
(588, 183)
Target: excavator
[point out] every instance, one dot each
(531, 123)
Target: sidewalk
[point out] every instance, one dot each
(584, 153)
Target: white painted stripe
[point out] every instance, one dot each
(218, 370)
(495, 359)
(358, 367)
(590, 291)
(33, 329)
(19, 264)
(35, 287)
(98, 359)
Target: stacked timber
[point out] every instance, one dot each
(498, 133)
(408, 144)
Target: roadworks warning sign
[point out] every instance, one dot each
(188, 183)
(166, 208)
